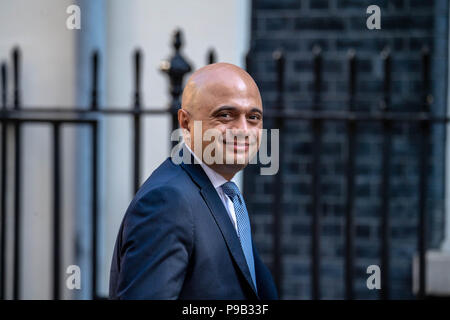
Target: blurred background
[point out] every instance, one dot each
(87, 115)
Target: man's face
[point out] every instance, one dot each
(229, 106)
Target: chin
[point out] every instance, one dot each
(238, 161)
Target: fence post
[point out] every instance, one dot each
(57, 217)
(424, 153)
(280, 60)
(349, 227)
(17, 177)
(94, 91)
(137, 119)
(385, 183)
(4, 86)
(94, 107)
(211, 56)
(175, 68)
(316, 215)
(94, 191)
(248, 60)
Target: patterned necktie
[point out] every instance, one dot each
(243, 224)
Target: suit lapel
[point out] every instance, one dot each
(228, 231)
(221, 217)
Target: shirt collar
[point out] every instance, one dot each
(216, 179)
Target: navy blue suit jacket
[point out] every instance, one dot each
(176, 241)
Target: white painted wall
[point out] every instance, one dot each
(47, 79)
(49, 73)
(149, 25)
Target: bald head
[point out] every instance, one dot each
(223, 99)
(218, 80)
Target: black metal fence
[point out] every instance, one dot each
(317, 117)
(176, 68)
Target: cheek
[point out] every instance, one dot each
(256, 133)
(217, 129)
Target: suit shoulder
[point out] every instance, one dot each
(167, 185)
(159, 200)
(168, 176)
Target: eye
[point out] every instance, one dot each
(255, 117)
(224, 115)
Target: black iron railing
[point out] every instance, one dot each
(176, 68)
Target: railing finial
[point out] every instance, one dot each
(16, 73)
(176, 67)
(211, 56)
(4, 85)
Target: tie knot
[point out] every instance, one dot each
(230, 189)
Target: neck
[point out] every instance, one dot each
(226, 171)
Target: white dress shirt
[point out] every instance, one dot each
(217, 181)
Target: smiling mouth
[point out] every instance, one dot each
(240, 146)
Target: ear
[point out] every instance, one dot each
(183, 119)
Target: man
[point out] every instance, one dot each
(187, 234)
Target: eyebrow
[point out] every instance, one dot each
(231, 108)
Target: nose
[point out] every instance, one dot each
(240, 130)
(242, 123)
(240, 126)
